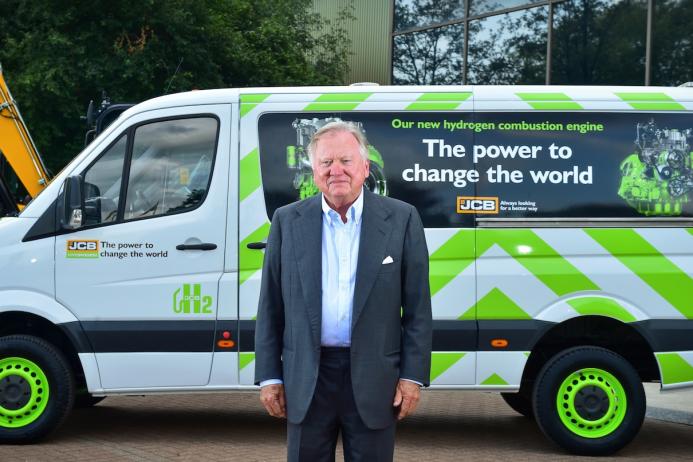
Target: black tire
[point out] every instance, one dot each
(589, 401)
(520, 403)
(48, 361)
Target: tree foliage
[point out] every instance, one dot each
(59, 54)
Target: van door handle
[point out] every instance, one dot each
(256, 245)
(203, 246)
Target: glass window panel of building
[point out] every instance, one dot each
(599, 42)
(672, 42)
(430, 57)
(508, 48)
(477, 7)
(410, 14)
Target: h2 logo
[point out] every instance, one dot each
(191, 300)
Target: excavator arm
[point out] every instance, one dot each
(17, 153)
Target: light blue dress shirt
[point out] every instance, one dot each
(340, 251)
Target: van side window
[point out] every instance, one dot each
(102, 185)
(171, 166)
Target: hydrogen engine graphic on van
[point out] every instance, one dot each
(657, 179)
(298, 162)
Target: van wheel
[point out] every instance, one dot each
(589, 400)
(36, 388)
(520, 403)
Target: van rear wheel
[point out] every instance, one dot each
(36, 388)
(589, 400)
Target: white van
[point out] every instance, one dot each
(559, 222)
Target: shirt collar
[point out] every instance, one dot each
(353, 214)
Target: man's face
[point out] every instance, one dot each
(338, 168)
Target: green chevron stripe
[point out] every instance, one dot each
(343, 97)
(600, 306)
(548, 101)
(640, 96)
(551, 105)
(337, 102)
(542, 260)
(468, 315)
(494, 379)
(657, 106)
(543, 96)
(249, 172)
(674, 368)
(538, 257)
(441, 362)
(248, 102)
(250, 261)
(244, 359)
(334, 107)
(458, 96)
(438, 101)
(451, 259)
(431, 106)
(690, 231)
(648, 264)
(651, 101)
(497, 305)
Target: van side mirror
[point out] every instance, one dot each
(72, 215)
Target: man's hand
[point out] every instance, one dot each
(406, 397)
(272, 397)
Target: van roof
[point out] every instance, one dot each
(375, 93)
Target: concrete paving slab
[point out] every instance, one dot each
(671, 406)
(448, 426)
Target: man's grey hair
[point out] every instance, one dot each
(341, 126)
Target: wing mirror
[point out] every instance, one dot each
(72, 208)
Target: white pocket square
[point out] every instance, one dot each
(388, 260)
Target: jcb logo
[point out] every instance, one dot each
(82, 245)
(474, 204)
(83, 249)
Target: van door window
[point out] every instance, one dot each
(171, 166)
(102, 180)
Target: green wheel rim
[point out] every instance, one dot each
(23, 392)
(591, 403)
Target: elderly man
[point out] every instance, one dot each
(343, 336)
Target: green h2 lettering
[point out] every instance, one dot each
(195, 300)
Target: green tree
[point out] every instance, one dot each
(672, 42)
(59, 54)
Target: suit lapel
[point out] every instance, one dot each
(307, 240)
(374, 236)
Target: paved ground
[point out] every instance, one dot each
(232, 427)
(672, 406)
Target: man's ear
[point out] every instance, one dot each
(368, 167)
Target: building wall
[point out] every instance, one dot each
(370, 34)
(577, 42)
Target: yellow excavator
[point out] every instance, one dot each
(23, 175)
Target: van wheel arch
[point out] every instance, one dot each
(63, 339)
(600, 331)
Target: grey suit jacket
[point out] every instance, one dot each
(391, 321)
